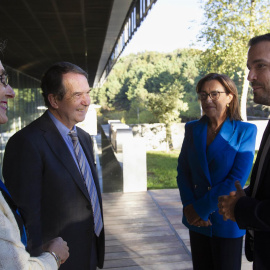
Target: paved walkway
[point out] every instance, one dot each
(144, 231)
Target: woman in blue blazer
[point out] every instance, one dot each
(217, 150)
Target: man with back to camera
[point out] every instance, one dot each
(49, 169)
(250, 207)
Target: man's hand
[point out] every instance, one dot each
(59, 247)
(227, 203)
(193, 218)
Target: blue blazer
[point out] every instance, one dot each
(205, 173)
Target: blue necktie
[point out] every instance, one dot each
(89, 182)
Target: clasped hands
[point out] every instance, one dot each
(193, 218)
(226, 206)
(226, 203)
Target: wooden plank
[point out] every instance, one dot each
(134, 226)
(144, 230)
(141, 240)
(151, 260)
(115, 230)
(142, 235)
(142, 253)
(185, 265)
(138, 247)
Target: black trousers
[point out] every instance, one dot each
(215, 253)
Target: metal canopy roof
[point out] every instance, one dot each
(84, 32)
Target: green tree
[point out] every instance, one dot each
(135, 77)
(167, 105)
(190, 73)
(227, 28)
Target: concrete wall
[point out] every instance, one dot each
(126, 170)
(112, 173)
(134, 166)
(155, 134)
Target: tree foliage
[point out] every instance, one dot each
(152, 87)
(167, 104)
(227, 28)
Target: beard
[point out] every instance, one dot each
(261, 95)
(263, 99)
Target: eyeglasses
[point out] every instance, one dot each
(4, 79)
(214, 95)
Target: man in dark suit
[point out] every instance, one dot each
(43, 172)
(250, 207)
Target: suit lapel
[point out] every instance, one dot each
(266, 160)
(60, 149)
(199, 138)
(221, 141)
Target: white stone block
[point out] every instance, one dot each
(134, 165)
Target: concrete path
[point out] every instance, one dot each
(144, 231)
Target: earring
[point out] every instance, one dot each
(228, 105)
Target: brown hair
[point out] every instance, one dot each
(257, 39)
(51, 82)
(233, 110)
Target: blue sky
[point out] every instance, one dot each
(171, 24)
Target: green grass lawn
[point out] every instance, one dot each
(161, 169)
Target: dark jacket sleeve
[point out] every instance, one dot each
(252, 214)
(22, 172)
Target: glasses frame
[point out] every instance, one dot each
(210, 95)
(4, 81)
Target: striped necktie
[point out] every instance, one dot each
(89, 182)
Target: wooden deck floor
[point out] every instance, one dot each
(144, 231)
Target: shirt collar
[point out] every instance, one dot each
(60, 126)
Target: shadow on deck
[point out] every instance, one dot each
(144, 231)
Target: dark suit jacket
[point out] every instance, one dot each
(43, 179)
(254, 213)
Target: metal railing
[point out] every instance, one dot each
(137, 13)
